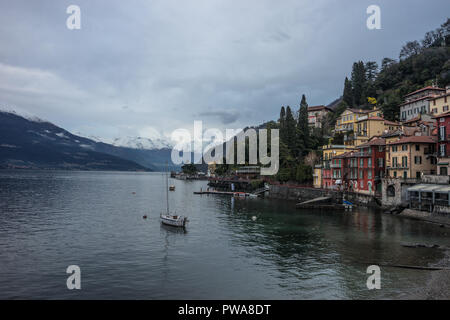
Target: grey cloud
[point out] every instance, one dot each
(169, 61)
(224, 117)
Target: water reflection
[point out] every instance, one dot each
(49, 220)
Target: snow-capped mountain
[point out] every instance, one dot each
(142, 143)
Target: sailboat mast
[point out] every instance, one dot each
(167, 187)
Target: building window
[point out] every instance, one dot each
(442, 133)
(445, 108)
(404, 161)
(361, 162)
(417, 160)
(369, 174)
(405, 147)
(361, 184)
(395, 174)
(443, 171)
(417, 147)
(369, 162)
(394, 148)
(405, 174)
(394, 162)
(380, 162)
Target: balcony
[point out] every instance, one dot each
(398, 166)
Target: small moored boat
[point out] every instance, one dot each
(168, 218)
(172, 188)
(175, 221)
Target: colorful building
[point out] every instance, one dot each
(317, 176)
(410, 157)
(371, 126)
(418, 102)
(443, 144)
(440, 104)
(316, 115)
(328, 166)
(371, 166)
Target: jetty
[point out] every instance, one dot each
(322, 203)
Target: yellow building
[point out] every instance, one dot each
(440, 104)
(317, 176)
(347, 124)
(410, 157)
(369, 126)
(333, 150)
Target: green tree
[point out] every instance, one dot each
(348, 92)
(189, 169)
(302, 127)
(358, 83)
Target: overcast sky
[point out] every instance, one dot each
(145, 68)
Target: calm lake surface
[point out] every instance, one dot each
(50, 220)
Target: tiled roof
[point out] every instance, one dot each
(423, 89)
(416, 139)
(392, 123)
(374, 142)
(446, 114)
(317, 108)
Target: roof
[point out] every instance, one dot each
(316, 108)
(442, 115)
(424, 89)
(413, 119)
(415, 139)
(358, 110)
(393, 123)
(374, 142)
(440, 96)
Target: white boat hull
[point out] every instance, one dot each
(175, 221)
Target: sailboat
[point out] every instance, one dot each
(170, 219)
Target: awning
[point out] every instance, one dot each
(424, 187)
(439, 188)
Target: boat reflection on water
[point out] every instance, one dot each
(172, 229)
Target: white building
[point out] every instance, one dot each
(418, 102)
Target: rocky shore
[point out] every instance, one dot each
(437, 286)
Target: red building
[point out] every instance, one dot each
(371, 165)
(362, 171)
(443, 144)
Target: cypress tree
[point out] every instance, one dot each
(290, 128)
(358, 83)
(302, 127)
(347, 96)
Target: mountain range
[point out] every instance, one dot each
(33, 143)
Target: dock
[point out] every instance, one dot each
(323, 203)
(227, 193)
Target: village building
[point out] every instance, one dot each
(411, 157)
(317, 176)
(317, 114)
(362, 170)
(443, 144)
(418, 102)
(440, 104)
(330, 152)
(370, 126)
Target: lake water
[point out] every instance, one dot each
(50, 220)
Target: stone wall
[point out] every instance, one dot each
(394, 191)
(305, 194)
